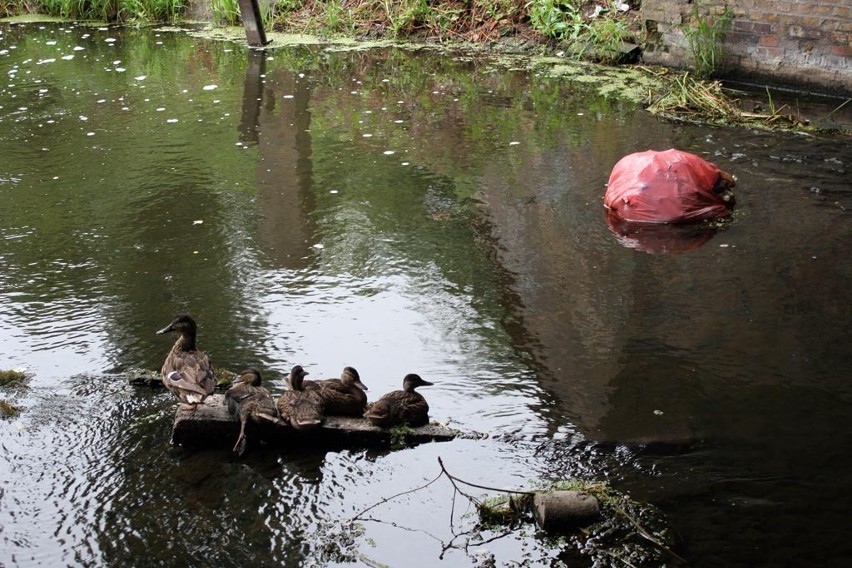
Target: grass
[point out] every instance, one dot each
(8, 411)
(704, 31)
(13, 378)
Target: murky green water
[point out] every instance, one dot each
(401, 212)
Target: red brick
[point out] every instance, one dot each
(769, 41)
(842, 50)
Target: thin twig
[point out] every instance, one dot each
(386, 499)
(454, 478)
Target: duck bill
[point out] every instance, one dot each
(426, 383)
(361, 385)
(166, 329)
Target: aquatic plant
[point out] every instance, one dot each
(704, 31)
(13, 378)
(8, 411)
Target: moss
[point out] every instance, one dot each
(224, 378)
(8, 411)
(505, 509)
(399, 436)
(13, 378)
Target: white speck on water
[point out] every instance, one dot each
(405, 163)
(198, 222)
(160, 109)
(55, 177)
(398, 121)
(388, 152)
(79, 48)
(120, 69)
(110, 40)
(171, 120)
(84, 118)
(333, 191)
(367, 135)
(51, 42)
(209, 87)
(68, 57)
(90, 133)
(101, 101)
(140, 78)
(513, 143)
(658, 413)
(216, 101)
(288, 96)
(319, 246)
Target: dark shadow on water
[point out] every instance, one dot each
(659, 239)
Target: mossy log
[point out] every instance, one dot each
(211, 425)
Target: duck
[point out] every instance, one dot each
(302, 409)
(401, 407)
(249, 401)
(187, 371)
(345, 396)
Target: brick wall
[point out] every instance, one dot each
(798, 42)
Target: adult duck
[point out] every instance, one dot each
(187, 371)
(250, 402)
(401, 407)
(345, 396)
(302, 409)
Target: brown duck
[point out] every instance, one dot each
(302, 409)
(187, 371)
(402, 406)
(249, 401)
(342, 397)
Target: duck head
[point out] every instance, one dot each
(183, 324)
(412, 381)
(351, 377)
(250, 376)
(296, 376)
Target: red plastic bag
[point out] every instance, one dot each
(668, 187)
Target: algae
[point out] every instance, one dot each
(13, 378)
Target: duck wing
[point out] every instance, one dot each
(189, 371)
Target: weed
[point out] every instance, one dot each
(704, 32)
(226, 11)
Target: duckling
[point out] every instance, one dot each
(250, 401)
(342, 397)
(187, 371)
(303, 409)
(401, 406)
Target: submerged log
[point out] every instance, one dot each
(561, 511)
(211, 425)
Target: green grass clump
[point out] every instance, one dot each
(8, 411)
(12, 378)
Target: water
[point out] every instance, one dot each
(401, 212)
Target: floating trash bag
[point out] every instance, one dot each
(668, 187)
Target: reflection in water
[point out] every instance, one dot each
(661, 239)
(400, 213)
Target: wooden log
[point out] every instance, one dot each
(560, 511)
(211, 425)
(253, 23)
